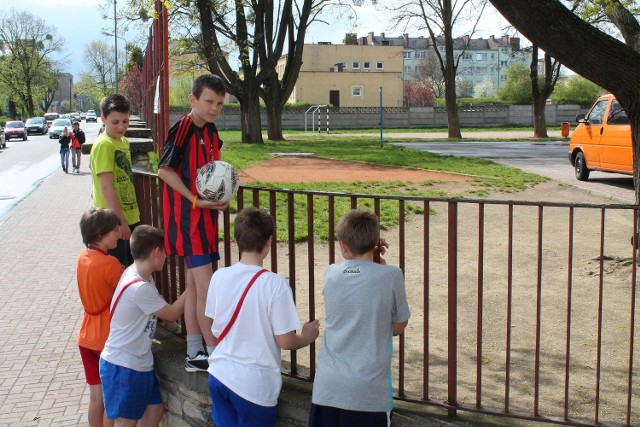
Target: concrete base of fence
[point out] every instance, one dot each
(187, 402)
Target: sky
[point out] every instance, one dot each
(80, 22)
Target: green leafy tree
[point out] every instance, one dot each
(517, 87)
(26, 65)
(576, 90)
(86, 87)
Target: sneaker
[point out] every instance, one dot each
(200, 363)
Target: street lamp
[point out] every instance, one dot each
(115, 39)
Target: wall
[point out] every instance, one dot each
(425, 117)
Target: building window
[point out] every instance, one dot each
(366, 65)
(493, 56)
(407, 55)
(355, 65)
(503, 77)
(467, 57)
(356, 90)
(343, 65)
(379, 65)
(481, 56)
(503, 63)
(407, 70)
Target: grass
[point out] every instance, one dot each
(489, 177)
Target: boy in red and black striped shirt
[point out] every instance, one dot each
(191, 223)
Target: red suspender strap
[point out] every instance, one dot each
(239, 306)
(115, 304)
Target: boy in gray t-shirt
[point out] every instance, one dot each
(366, 305)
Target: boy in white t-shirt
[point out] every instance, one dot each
(129, 385)
(254, 316)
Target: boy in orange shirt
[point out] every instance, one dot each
(98, 275)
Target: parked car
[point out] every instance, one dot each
(37, 125)
(76, 117)
(3, 140)
(602, 140)
(15, 129)
(83, 115)
(91, 117)
(50, 117)
(58, 125)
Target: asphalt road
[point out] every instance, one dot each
(543, 158)
(25, 164)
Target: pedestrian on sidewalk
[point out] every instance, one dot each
(98, 274)
(190, 222)
(112, 173)
(129, 383)
(244, 369)
(77, 139)
(64, 141)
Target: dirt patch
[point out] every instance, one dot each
(312, 169)
(520, 275)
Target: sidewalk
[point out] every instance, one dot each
(41, 375)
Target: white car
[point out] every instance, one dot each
(91, 117)
(58, 126)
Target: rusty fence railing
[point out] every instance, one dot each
(518, 309)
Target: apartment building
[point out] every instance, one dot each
(348, 75)
(483, 60)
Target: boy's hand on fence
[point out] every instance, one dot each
(311, 330)
(381, 246)
(208, 204)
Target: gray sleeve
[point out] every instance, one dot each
(400, 304)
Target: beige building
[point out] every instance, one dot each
(349, 75)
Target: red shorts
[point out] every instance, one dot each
(91, 361)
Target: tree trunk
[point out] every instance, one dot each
(539, 119)
(251, 126)
(453, 124)
(274, 124)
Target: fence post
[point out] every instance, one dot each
(452, 304)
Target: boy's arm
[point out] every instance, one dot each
(398, 328)
(170, 176)
(172, 312)
(111, 198)
(293, 341)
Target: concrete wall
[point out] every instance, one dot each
(425, 117)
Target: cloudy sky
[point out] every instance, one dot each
(80, 22)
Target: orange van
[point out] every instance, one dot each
(602, 140)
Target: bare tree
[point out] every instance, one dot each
(98, 57)
(28, 44)
(609, 63)
(429, 72)
(438, 18)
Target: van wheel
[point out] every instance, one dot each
(582, 172)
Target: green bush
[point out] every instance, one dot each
(517, 88)
(576, 90)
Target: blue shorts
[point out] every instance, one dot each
(194, 261)
(230, 410)
(127, 393)
(328, 416)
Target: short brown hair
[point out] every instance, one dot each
(96, 223)
(252, 229)
(208, 81)
(144, 240)
(114, 102)
(359, 230)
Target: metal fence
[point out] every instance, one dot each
(519, 309)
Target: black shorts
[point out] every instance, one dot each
(328, 416)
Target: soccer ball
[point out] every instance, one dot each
(217, 181)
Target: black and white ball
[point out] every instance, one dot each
(217, 181)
